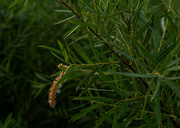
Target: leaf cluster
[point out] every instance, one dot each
(129, 59)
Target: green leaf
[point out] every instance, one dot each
(171, 50)
(68, 33)
(137, 13)
(78, 39)
(42, 77)
(102, 75)
(64, 51)
(171, 21)
(172, 78)
(158, 106)
(96, 99)
(132, 74)
(8, 120)
(132, 58)
(99, 122)
(104, 116)
(84, 24)
(83, 112)
(157, 88)
(64, 20)
(155, 32)
(88, 85)
(63, 11)
(145, 51)
(174, 68)
(109, 113)
(73, 56)
(1, 125)
(15, 2)
(148, 34)
(113, 14)
(147, 120)
(171, 85)
(173, 62)
(58, 57)
(82, 53)
(147, 95)
(56, 51)
(121, 112)
(124, 123)
(142, 30)
(92, 46)
(86, 78)
(59, 52)
(162, 56)
(90, 6)
(51, 49)
(102, 56)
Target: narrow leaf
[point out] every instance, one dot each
(146, 97)
(154, 31)
(83, 112)
(171, 21)
(158, 107)
(121, 112)
(148, 34)
(156, 90)
(142, 30)
(132, 58)
(92, 46)
(82, 53)
(173, 87)
(84, 24)
(88, 85)
(174, 68)
(97, 99)
(171, 50)
(132, 74)
(15, 2)
(136, 15)
(51, 49)
(144, 51)
(64, 51)
(64, 20)
(90, 6)
(113, 14)
(67, 34)
(86, 78)
(58, 57)
(173, 62)
(63, 11)
(110, 84)
(8, 120)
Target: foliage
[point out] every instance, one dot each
(124, 63)
(25, 68)
(129, 56)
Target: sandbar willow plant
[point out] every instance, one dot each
(127, 60)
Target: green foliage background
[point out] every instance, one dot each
(26, 69)
(122, 62)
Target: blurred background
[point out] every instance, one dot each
(26, 69)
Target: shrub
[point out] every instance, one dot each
(125, 59)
